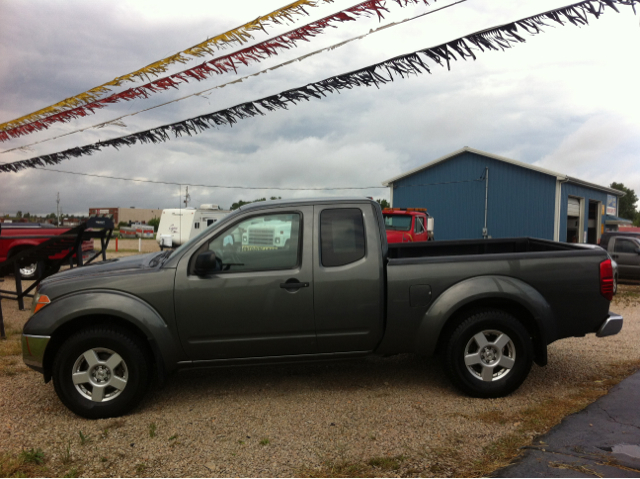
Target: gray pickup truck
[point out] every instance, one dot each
(307, 280)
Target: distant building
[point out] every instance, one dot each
(517, 199)
(127, 215)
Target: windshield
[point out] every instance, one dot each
(397, 222)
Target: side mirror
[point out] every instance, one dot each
(205, 263)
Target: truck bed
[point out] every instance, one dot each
(476, 247)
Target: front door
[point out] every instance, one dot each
(245, 309)
(625, 253)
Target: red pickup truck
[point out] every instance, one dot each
(407, 225)
(16, 237)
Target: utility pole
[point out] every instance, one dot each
(187, 197)
(58, 210)
(485, 232)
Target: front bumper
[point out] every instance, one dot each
(612, 325)
(33, 348)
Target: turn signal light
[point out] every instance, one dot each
(606, 279)
(42, 301)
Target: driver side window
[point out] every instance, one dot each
(260, 243)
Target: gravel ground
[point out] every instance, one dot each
(395, 416)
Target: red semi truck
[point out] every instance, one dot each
(16, 237)
(408, 225)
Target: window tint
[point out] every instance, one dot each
(341, 236)
(260, 243)
(624, 246)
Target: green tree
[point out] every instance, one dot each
(19, 214)
(383, 203)
(626, 204)
(155, 222)
(27, 215)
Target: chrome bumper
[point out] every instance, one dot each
(33, 348)
(611, 326)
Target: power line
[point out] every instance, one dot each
(212, 186)
(255, 187)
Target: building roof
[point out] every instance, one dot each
(616, 220)
(559, 176)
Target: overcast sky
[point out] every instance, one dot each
(567, 100)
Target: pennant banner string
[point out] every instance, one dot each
(117, 121)
(218, 66)
(239, 35)
(497, 39)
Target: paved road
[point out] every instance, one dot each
(603, 440)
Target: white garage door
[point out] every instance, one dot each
(573, 208)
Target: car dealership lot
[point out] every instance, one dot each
(379, 416)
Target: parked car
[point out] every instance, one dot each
(408, 225)
(16, 237)
(607, 235)
(489, 308)
(625, 250)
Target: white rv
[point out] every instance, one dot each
(177, 225)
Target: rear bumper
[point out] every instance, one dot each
(611, 326)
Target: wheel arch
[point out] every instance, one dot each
(68, 315)
(503, 293)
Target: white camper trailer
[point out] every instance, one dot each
(177, 225)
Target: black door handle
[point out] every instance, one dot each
(293, 284)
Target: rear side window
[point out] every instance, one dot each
(624, 246)
(341, 236)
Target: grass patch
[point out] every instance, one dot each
(32, 456)
(264, 441)
(25, 464)
(152, 429)
(10, 347)
(374, 467)
(386, 463)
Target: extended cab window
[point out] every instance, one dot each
(341, 236)
(260, 243)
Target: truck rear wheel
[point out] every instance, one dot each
(101, 372)
(489, 355)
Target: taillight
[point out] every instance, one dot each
(606, 279)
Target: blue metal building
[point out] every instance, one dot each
(473, 194)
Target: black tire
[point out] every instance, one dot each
(120, 372)
(28, 271)
(496, 367)
(32, 270)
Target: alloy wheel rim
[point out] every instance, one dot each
(490, 355)
(100, 374)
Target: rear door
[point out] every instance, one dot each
(348, 278)
(259, 302)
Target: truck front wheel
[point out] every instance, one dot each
(101, 372)
(489, 355)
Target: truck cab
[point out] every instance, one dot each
(408, 225)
